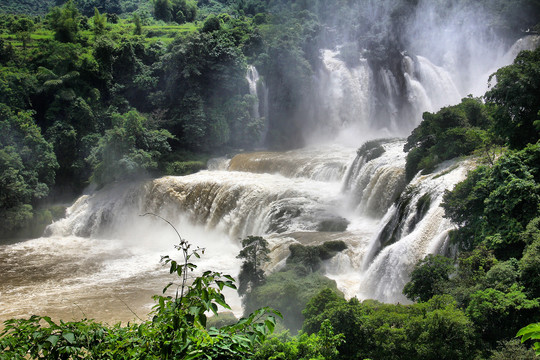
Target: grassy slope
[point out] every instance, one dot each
(152, 33)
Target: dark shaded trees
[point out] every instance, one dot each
(162, 10)
(205, 92)
(451, 132)
(128, 149)
(428, 278)
(516, 96)
(65, 21)
(27, 169)
(255, 254)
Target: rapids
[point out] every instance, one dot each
(102, 260)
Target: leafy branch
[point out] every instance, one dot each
(532, 332)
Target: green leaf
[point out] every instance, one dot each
(270, 325)
(48, 320)
(53, 339)
(220, 284)
(173, 267)
(194, 310)
(531, 328)
(70, 337)
(167, 287)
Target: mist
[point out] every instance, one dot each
(379, 65)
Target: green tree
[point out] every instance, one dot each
(516, 96)
(65, 22)
(138, 25)
(428, 278)
(288, 291)
(127, 149)
(204, 81)
(314, 310)
(100, 23)
(498, 315)
(495, 204)
(23, 29)
(322, 345)
(27, 169)
(255, 254)
(6, 51)
(288, 73)
(444, 333)
(184, 10)
(212, 23)
(436, 329)
(162, 10)
(451, 132)
(529, 264)
(512, 350)
(17, 85)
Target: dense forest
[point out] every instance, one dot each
(97, 91)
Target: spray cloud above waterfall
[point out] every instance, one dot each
(369, 69)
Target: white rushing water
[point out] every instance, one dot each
(349, 97)
(257, 88)
(102, 260)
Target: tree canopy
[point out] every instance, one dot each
(27, 168)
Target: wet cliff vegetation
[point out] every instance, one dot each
(96, 91)
(116, 89)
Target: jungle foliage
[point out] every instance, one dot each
(494, 280)
(100, 90)
(451, 132)
(291, 287)
(79, 65)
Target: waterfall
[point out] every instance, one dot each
(238, 203)
(260, 107)
(438, 83)
(307, 196)
(365, 100)
(335, 191)
(345, 92)
(412, 229)
(316, 163)
(347, 97)
(253, 77)
(376, 177)
(526, 43)
(362, 192)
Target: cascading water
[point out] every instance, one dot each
(345, 92)
(103, 252)
(119, 249)
(253, 77)
(347, 97)
(525, 43)
(411, 229)
(260, 107)
(376, 177)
